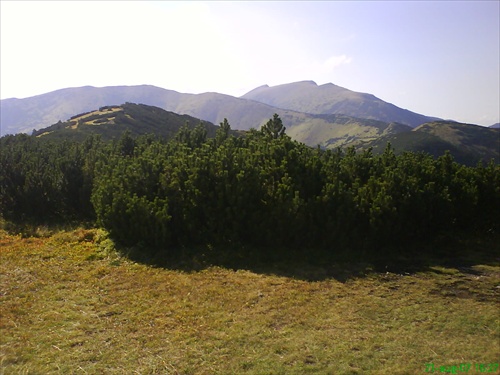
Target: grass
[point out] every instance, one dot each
(71, 305)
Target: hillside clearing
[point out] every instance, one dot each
(69, 305)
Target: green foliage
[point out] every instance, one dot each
(44, 181)
(274, 128)
(262, 191)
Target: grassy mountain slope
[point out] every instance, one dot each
(332, 131)
(328, 131)
(467, 143)
(112, 121)
(308, 97)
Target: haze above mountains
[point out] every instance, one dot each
(326, 115)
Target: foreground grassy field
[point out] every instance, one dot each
(70, 305)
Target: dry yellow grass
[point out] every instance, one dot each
(69, 305)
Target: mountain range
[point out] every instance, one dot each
(250, 110)
(326, 115)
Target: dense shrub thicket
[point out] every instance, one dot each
(261, 191)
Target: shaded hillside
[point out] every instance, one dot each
(308, 97)
(467, 143)
(112, 121)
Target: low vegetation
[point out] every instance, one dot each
(263, 192)
(71, 304)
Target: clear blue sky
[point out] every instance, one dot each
(438, 58)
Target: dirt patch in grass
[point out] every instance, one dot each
(70, 304)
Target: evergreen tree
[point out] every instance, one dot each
(223, 132)
(274, 128)
(262, 191)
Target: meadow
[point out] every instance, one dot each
(71, 303)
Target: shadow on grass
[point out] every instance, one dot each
(459, 253)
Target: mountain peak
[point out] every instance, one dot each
(306, 83)
(308, 97)
(257, 90)
(310, 82)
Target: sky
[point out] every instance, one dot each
(437, 58)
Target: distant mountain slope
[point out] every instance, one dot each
(308, 97)
(467, 143)
(333, 131)
(328, 131)
(111, 121)
(311, 122)
(25, 115)
(242, 114)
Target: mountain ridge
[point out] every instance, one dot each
(24, 115)
(311, 115)
(309, 97)
(112, 121)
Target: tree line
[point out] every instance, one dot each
(260, 191)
